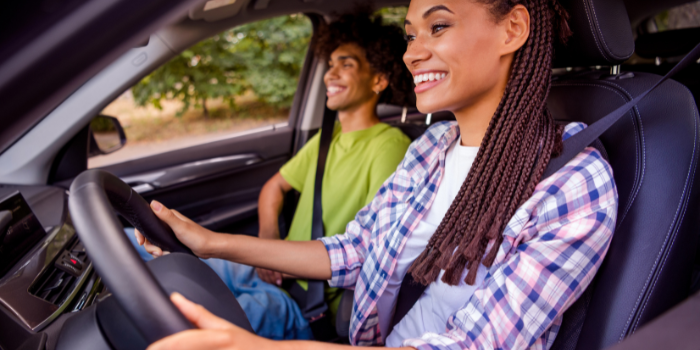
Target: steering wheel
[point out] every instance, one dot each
(94, 197)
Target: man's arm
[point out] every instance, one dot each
(270, 206)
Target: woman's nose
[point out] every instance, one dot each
(416, 52)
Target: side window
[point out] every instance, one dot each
(680, 17)
(393, 15)
(242, 79)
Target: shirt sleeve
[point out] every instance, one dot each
(548, 266)
(297, 169)
(389, 155)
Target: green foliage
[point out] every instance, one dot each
(662, 21)
(393, 15)
(101, 124)
(264, 57)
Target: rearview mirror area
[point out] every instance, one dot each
(106, 135)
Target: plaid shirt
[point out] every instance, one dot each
(553, 247)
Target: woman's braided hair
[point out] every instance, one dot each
(517, 146)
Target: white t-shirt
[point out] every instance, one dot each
(440, 300)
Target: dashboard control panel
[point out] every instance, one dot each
(20, 232)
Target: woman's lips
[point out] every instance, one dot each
(427, 80)
(334, 90)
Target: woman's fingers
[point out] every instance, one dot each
(166, 215)
(152, 249)
(195, 339)
(187, 231)
(139, 237)
(214, 333)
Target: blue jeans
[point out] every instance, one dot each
(271, 312)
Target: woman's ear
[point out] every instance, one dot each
(517, 29)
(380, 83)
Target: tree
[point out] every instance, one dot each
(264, 57)
(393, 15)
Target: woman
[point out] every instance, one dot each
(504, 253)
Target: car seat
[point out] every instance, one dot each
(409, 120)
(653, 151)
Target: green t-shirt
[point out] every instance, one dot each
(358, 163)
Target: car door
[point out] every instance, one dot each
(215, 177)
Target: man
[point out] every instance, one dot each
(364, 68)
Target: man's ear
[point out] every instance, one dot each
(516, 26)
(380, 83)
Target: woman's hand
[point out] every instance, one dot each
(213, 332)
(191, 234)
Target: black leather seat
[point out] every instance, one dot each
(409, 120)
(654, 154)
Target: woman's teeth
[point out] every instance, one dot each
(334, 89)
(428, 77)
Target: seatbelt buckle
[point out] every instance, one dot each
(316, 318)
(316, 313)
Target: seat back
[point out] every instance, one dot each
(654, 152)
(409, 120)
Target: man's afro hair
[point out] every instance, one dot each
(384, 46)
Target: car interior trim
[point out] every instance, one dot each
(33, 312)
(191, 171)
(316, 100)
(28, 161)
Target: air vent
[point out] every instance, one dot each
(55, 284)
(56, 287)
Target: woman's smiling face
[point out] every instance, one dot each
(455, 53)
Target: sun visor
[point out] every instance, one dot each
(602, 34)
(214, 10)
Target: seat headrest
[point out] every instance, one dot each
(602, 34)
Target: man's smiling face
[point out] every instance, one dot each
(349, 79)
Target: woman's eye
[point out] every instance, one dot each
(438, 27)
(410, 38)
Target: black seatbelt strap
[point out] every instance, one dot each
(316, 306)
(410, 290)
(576, 143)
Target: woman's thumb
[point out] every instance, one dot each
(164, 213)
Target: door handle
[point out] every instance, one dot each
(142, 183)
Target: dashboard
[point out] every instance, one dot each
(45, 273)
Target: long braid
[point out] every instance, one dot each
(515, 150)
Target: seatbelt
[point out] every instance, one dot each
(410, 290)
(316, 307)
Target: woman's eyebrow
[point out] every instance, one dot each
(435, 9)
(430, 11)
